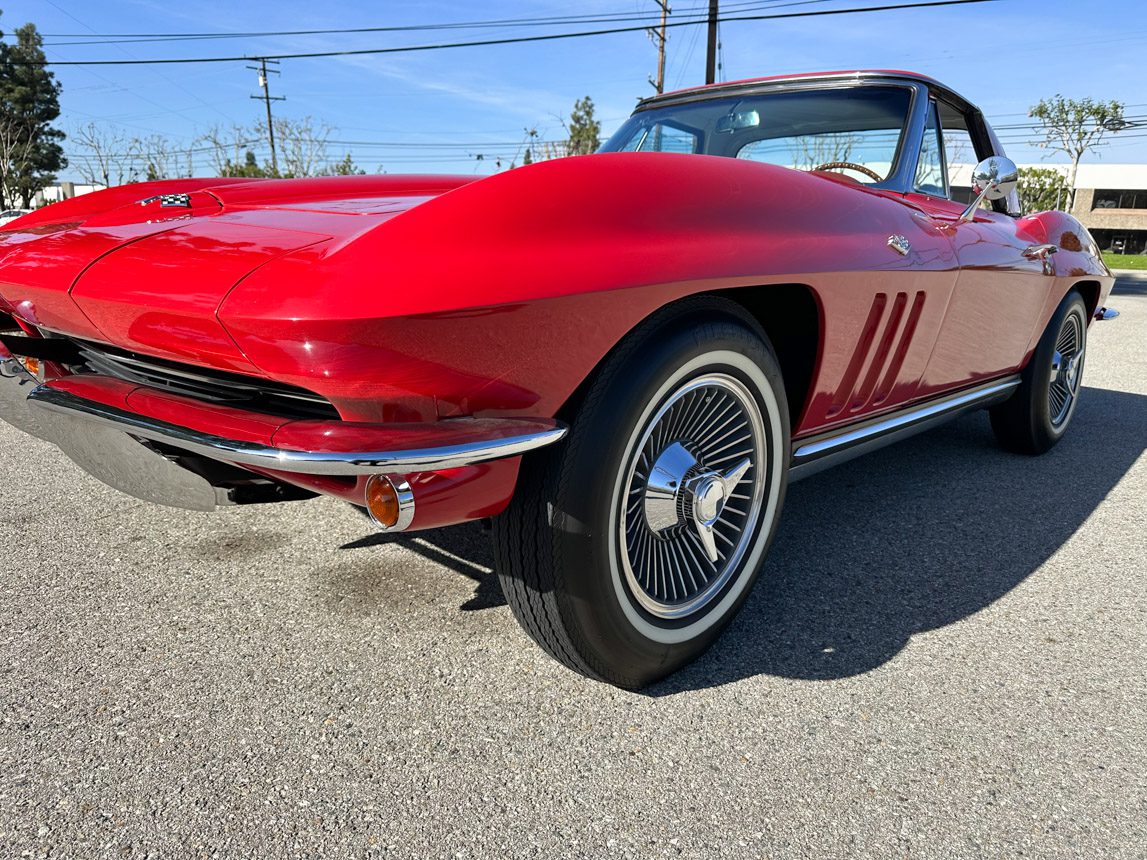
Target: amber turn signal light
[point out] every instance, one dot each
(32, 365)
(390, 502)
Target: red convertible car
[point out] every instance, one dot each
(622, 359)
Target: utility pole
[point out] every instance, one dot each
(659, 37)
(711, 53)
(267, 98)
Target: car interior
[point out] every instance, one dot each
(858, 129)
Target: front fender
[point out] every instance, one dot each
(501, 296)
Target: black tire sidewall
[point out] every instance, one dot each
(1038, 379)
(590, 603)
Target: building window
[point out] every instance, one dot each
(1120, 200)
(1121, 241)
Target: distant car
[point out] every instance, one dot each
(11, 215)
(622, 358)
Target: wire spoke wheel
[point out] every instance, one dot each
(627, 549)
(692, 496)
(1038, 414)
(1066, 370)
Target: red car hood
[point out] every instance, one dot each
(353, 195)
(149, 274)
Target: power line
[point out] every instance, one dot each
(1025, 113)
(557, 20)
(684, 67)
(509, 40)
(1134, 125)
(1134, 119)
(127, 53)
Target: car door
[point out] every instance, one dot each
(1001, 288)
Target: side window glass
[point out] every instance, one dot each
(960, 154)
(930, 169)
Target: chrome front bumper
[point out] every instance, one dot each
(111, 442)
(401, 449)
(16, 384)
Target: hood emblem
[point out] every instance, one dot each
(900, 245)
(168, 201)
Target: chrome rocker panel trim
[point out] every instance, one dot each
(815, 455)
(535, 434)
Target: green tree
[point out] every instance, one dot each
(1075, 127)
(528, 144)
(30, 150)
(345, 167)
(584, 130)
(1043, 188)
(249, 169)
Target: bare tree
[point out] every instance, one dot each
(811, 150)
(549, 149)
(228, 146)
(157, 157)
(14, 149)
(302, 145)
(958, 150)
(103, 157)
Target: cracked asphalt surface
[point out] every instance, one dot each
(946, 657)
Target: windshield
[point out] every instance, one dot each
(833, 129)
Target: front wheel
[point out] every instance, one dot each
(629, 547)
(1037, 415)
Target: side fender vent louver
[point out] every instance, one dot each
(879, 354)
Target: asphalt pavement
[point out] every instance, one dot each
(946, 657)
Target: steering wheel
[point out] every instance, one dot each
(849, 165)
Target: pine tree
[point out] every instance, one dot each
(584, 130)
(249, 169)
(30, 150)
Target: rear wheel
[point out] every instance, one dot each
(631, 545)
(1038, 414)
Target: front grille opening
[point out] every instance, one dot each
(213, 386)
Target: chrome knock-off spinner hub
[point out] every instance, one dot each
(674, 499)
(694, 494)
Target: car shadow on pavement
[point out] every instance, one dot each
(907, 539)
(464, 549)
(915, 537)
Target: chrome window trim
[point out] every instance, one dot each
(901, 179)
(815, 79)
(903, 173)
(933, 108)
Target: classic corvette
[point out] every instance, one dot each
(622, 358)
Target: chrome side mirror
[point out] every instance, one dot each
(993, 178)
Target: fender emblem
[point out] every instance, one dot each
(168, 201)
(900, 245)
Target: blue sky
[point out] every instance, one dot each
(435, 111)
